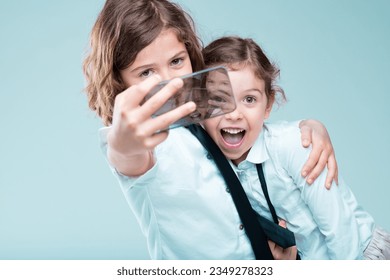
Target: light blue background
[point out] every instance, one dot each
(58, 199)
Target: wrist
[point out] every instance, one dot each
(131, 165)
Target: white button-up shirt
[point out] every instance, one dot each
(185, 209)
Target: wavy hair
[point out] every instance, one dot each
(122, 29)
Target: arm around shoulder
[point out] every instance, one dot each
(315, 133)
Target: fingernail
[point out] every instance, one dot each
(328, 186)
(310, 181)
(304, 173)
(192, 106)
(177, 82)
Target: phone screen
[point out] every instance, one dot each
(209, 89)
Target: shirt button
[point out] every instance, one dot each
(209, 156)
(241, 227)
(227, 190)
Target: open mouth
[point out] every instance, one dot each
(196, 115)
(232, 136)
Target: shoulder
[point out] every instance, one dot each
(282, 135)
(283, 141)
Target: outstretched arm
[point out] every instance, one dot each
(314, 132)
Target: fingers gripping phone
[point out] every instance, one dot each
(209, 89)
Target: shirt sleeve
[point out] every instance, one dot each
(331, 209)
(125, 182)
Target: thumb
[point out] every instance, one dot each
(306, 136)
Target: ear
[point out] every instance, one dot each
(268, 109)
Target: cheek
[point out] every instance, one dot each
(127, 79)
(210, 125)
(256, 122)
(188, 68)
(255, 116)
(258, 129)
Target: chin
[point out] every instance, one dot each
(236, 159)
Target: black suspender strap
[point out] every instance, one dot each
(271, 207)
(247, 215)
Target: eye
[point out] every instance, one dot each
(146, 73)
(219, 96)
(217, 99)
(177, 61)
(250, 99)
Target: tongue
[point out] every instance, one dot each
(232, 138)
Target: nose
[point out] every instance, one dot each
(166, 74)
(235, 115)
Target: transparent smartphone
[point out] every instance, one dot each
(209, 89)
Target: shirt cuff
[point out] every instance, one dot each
(125, 182)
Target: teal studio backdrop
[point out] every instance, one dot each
(59, 200)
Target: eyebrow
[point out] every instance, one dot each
(254, 89)
(146, 66)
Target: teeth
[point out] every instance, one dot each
(232, 130)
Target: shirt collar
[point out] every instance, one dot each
(258, 152)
